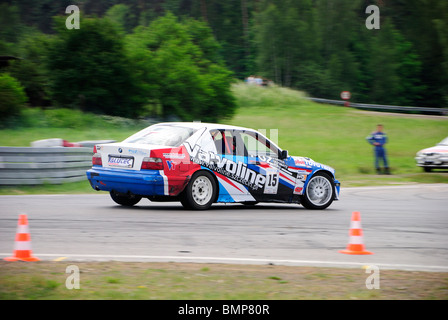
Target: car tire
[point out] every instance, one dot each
(200, 192)
(319, 192)
(427, 169)
(124, 199)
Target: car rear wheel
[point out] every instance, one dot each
(125, 199)
(200, 193)
(319, 192)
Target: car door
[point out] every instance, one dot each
(230, 167)
(263, 158)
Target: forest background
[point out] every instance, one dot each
(178, 58)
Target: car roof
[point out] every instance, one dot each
(210, 126)
(199, 125)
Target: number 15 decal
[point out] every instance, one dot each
(271, 185)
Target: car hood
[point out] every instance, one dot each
(304, 162)
(435, 149)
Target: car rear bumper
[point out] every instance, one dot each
(144, 183)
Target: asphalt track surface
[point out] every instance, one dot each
(406, 228)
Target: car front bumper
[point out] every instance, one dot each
(337, 187)
(440, 162)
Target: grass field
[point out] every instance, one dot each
(329, 134)
(71, 125)
(190, 281)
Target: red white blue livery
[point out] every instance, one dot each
(200, 164)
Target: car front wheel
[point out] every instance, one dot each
(319, 192)
(200, 193)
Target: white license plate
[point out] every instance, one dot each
(122, 162)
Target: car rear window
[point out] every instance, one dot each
(162, 135)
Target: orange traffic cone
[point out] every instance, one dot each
(356, 244)
(22, 245)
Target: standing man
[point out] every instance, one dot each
(378, 139)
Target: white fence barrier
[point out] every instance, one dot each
(378, 107)
(52, 165)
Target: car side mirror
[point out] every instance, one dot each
(284, 155)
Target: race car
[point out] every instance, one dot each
(435, 157)
(200, 164)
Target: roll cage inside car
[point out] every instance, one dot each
(244, 143)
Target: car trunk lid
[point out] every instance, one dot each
(128, 156)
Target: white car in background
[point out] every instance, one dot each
(435, 157)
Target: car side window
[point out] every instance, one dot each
(257, 145)
(224, 141)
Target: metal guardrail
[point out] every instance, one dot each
(379, 107)
(53, 165)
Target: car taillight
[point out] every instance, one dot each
(96, 159)
(152, 164)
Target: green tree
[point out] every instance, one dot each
(121, 15)
(424, 24)
(30, 69)
(290, 47)
(320, 46)
(394, 67)
(11, 28)
(12, 97)
(323, 47)
(90, 70)
(281, 36)
(441, 26)
(179, 69)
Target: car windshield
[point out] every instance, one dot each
(162, 135)
(444, 142)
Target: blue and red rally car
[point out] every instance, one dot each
(200, 164)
